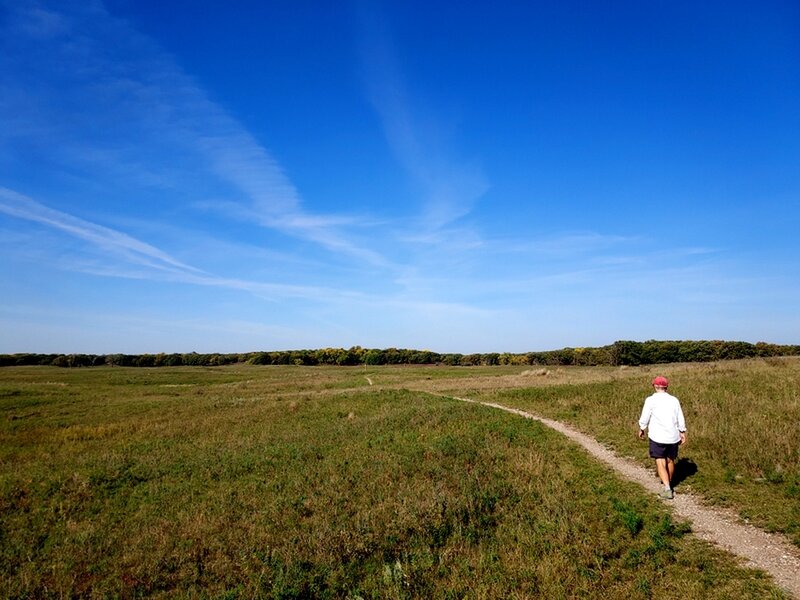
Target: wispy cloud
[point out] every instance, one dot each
(450, 186)
(117, 254)
(108, 240)
(123, 104)
(565, 244)
(37, 21)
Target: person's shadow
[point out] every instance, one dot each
(684, 469)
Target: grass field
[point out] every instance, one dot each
(286, 482)
(744, 429)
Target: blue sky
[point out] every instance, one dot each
(228, 177)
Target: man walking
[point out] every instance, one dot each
(663, 417)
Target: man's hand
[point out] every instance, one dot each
(641, 434)
(683, 438)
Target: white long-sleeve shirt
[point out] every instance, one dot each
(663, 418)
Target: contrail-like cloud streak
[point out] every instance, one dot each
(138, 252)
(123, 105)
(451, 187)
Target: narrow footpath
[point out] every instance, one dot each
(771, 552)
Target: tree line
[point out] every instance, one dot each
(628, 353)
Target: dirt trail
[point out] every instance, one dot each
(770, 552)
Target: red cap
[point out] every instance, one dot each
(660, 381)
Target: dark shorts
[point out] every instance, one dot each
(664, 450)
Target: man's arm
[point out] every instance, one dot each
(644, 419)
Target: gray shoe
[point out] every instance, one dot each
(666, 494)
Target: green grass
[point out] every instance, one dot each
(273, 482)
(743, 420)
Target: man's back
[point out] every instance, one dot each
(663, 417)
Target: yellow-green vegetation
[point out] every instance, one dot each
(743, 419)
(286, 482)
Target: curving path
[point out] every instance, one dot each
(770, 552)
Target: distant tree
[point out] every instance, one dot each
(374, 357)
(619, 353)
(627, 353)
(471, 360)
(145, 360)
(259, 358)
(451, 359)
(393, 356)
(490, 359)
(115, 360)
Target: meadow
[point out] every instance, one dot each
(743, 419)
(349, 482)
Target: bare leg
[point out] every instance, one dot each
(663, 473)
(670, 470)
